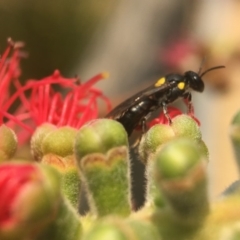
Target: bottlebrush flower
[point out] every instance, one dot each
(41, 102)
(9, 74)
(8, 71)
(101, 151)
(47, 105)
(30, 196)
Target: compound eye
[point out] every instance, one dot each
(195, 81)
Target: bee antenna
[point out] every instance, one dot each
(211, 69)
(201, 65)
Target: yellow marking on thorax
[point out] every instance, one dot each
(181, 85)
(160, 82)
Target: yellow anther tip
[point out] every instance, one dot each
(105, 75)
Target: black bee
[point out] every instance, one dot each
(134, 111)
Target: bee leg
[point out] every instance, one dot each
(188, 101)
(165, 112)
(136, 143)
(144, 125)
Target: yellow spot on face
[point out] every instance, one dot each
(181, 85)
(160, 82)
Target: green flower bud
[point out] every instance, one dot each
(8, 143)
(119, 229)
(70, 179)
(102, 155)
(180, 175)
(184, 126)
(59, 141)
(106, 231)
(177, 158)
(98, 136)
(153, 139)
(37, 138)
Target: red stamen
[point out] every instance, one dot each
(41, 102)
(66, 105)
(87, 85)
(22, 97)
(6, 53)
(19, 111)
(85, 115)
(54, 104)
(36, 84)
(73, 110)
(16, 120)
(103, 97)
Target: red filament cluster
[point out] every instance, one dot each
(53, 99)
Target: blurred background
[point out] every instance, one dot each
(137, 42)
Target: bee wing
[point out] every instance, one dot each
(135, 99)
